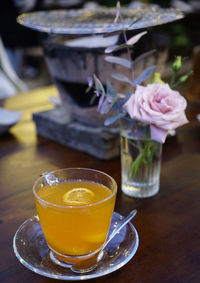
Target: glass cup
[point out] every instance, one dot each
(140, 159)
(75, 208)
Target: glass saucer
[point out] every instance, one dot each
(32, 251)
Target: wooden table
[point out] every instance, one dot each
(168, 224)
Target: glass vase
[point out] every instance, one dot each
(140, 159)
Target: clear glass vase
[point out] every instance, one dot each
(140, 159)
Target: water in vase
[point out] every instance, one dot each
(140, 162)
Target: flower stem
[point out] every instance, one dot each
(129, 54)
(144, 157)
(139, 160)
(173, 79)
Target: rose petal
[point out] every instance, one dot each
(158, 134)
(159, 106)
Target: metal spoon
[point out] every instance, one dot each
(91, 263)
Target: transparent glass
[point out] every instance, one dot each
(140, 160)
(75, 232)
(32, 251)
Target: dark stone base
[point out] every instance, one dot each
(57, 125)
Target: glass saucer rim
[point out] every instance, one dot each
(76, 277)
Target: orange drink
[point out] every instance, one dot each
(75, 208)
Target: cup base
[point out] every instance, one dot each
(67, 262)
(60, 262)
(140, 190)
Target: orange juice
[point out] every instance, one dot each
(75, 215)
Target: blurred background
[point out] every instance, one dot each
(22, 65)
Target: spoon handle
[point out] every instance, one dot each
(120, 226)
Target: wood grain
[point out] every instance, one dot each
(168, 224)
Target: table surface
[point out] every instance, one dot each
(168, 224)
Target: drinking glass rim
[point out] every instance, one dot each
(114, 191)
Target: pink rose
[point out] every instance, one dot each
(157, 105)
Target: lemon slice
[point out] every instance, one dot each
(78, 196)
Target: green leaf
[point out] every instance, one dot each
(128, 95)
(90, 82)
(88, 89)
(106, 105)
(93, 99)
(128, 44)
(101, 100)
(117, 12)
(110, 90)
(135, 145)
(117, 60)
(144, 56)
(112, 48)
(135, 38)
(140, 159)
(136, 165)
(152, 151)
(121, 77)
(144, 75)
(98, 85)
(183, 79)
(113, 119)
